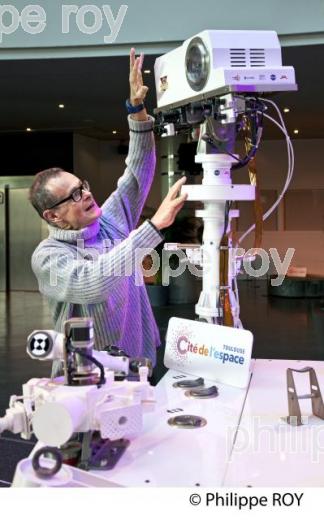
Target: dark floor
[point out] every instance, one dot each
(283, 328)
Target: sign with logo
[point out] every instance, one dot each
(222, 354)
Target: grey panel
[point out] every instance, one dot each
(16, 182)
(2, 241)
(25, 235)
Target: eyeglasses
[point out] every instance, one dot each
(76, 194)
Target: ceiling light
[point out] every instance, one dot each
(296, 131)
(147, 71)
(286, 110)
(114, 131)
(61, 105)
(28, 129)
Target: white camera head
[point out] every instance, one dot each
(213, 63)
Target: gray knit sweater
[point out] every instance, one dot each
(95, 271)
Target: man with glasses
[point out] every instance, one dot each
(83, 265)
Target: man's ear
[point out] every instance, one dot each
(52, 216)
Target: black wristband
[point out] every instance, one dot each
(133, 109)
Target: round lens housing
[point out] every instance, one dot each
(197, 64)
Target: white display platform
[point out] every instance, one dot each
(268, 451)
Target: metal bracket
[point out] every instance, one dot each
(294, 417)
(100, 454)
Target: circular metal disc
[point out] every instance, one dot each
(187, 421)
(189, 383)
(202, 393)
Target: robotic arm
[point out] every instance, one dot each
(212, 85)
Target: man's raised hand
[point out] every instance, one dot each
(138, 91)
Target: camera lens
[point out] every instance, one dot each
(197, 64)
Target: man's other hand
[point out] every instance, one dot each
(170, 206)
